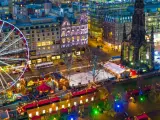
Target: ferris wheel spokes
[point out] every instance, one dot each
(14, 59)
(10, 66)
(5, 38)
(16, 40)
(8, 75)
(2, 83)
(13, 51)
(3, 79)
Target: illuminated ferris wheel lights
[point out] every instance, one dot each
(13, 46)
(10, 66)
(5, 38)
(16, 59)
(8, 75)
(13, 51)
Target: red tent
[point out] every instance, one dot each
(43, 87)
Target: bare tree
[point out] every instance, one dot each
(68, 60)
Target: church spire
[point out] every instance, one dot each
(152, 48)
(122, 44)
(124, 33)
(152, 34)
(139, 4)
(138, 29)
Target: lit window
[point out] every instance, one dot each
(86, 100)
(78, 38)
(81, 101)
(49, 48)
(92, 99)
(30, 115)
(50, 110)
(69, 104)
(58, 57)
(43, 111)
(62, 106)
(56, 108)
(43, 43)
(37, 113)
(63, 40)
(75, 103)
(44, 48)
(39, 44)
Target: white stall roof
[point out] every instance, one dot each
(85, 77)
(114, 67)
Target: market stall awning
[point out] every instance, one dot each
(82, 92)
(43, 102)
(43, 87)
(30, 105)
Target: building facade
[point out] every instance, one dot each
(49, 35)
(74, 35)
(115, 20)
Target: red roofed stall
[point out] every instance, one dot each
(82, 92)
(43, 87)
(142, 117)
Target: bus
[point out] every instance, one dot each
(44, 65)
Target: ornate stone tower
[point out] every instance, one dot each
(138, 29)
(137, 51)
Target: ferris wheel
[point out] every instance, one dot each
(14, 55)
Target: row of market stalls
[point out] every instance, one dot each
(119, 71)
(55, 80)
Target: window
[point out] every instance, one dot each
(30, 115)
(81, 101)
(63, 40)
(92, 99)
(75, 103)
(50, 110)
(63, 106)
(43, 111)
(43, 43)
(39, 44)
(69, 104)
(37, 113)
